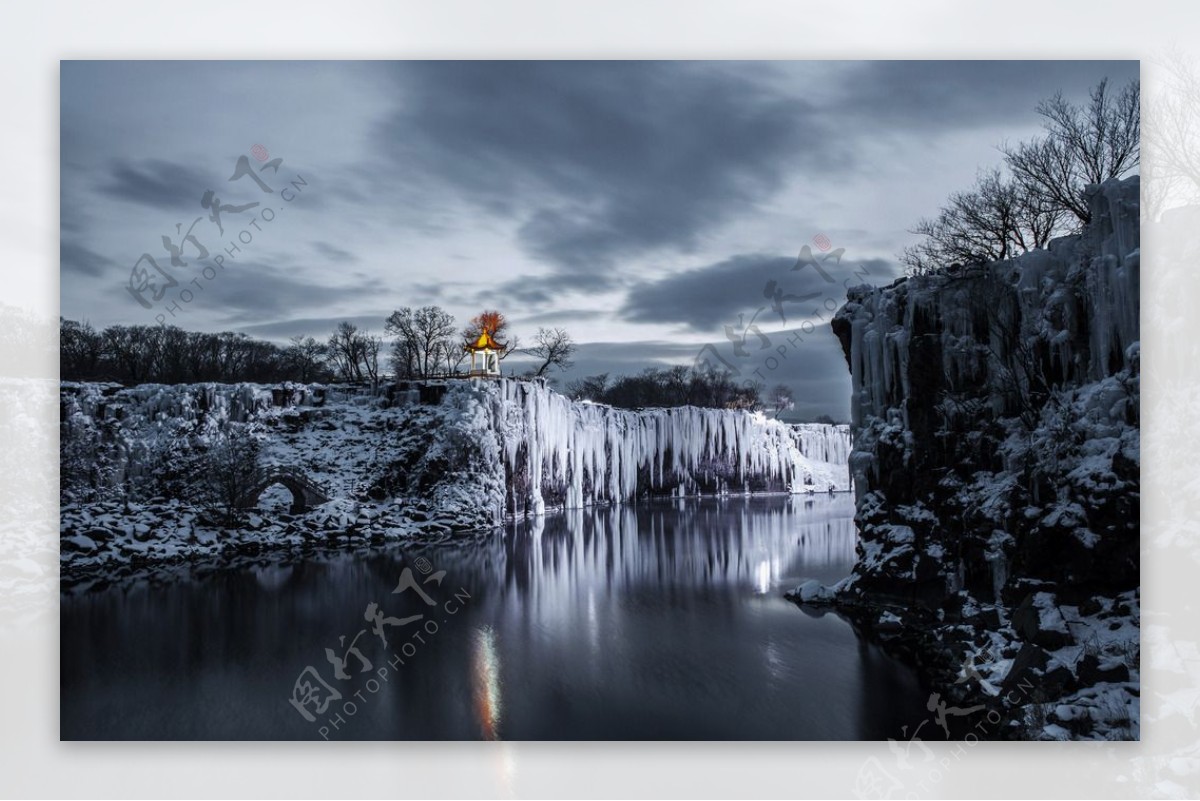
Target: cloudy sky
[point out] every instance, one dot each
(650, 208)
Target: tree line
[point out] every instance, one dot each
(417, 343)
(135, 354)
(680, 385)
(1039, 193)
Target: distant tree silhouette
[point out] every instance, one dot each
(424, 340)
(781, 398)
(552, 347)
(1084, 144)
(307, 358)
(668, 387)
(1041, 195)
(996, 219)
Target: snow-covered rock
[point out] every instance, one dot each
(814, 593)
(1004, 398)
(443, 457)
(996, 455)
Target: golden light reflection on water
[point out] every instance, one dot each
(485, 682)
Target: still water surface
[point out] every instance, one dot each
(663, 620)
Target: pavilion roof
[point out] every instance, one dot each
(485, 341)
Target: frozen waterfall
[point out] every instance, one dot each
(561, 453)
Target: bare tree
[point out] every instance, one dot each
(306, 357)
(452, 356)
(997, 219)
(781, 398)
(80, 349)
(355, 354)
(1084, 144)
(424, 337)
(1171, 172)
(135, 350)
(553, 347)
(1003, 217)
(371, 345)
(592, 388)
(747, 396)
(346, 351)
(228, 470)
(405, 363)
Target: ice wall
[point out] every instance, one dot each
(995, 417)
(509, 447)
(1064, 316)
(562, 453)
(827, 444)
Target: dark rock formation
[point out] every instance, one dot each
(996, 449)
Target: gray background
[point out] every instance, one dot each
(33, 762)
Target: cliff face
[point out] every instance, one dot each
(995, 419)
(562, 453)
(134, 462)
(518, 444)
(996, 453)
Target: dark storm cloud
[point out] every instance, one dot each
(246, 293)
(430, 292)
(707, 298)
(75, 258)
(317, 327)
(615, 358)
(595, 170)
(522, 291)
(602, 161)
(923, 95)
(560, 316)
(158, 183)
(333, 252)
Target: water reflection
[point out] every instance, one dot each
(661, 620)
(486, 673)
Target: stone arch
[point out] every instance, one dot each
(304, 492)
(293, 487)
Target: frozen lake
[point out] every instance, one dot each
(661, 620)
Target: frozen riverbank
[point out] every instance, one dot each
(424, 463)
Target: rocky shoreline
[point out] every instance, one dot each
(105, 543)
(996, 458)
(1021, 676)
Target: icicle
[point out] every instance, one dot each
(590, 453)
